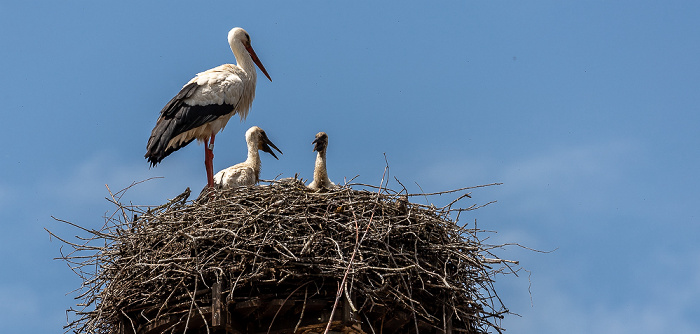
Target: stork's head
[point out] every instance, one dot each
(321, 142)
(239, 35)
(258, 137)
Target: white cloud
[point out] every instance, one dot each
(576, 178)
(581, 174)
(559, 308)
(86, 183)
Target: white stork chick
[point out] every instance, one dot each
(206, 103)
(321, 180)
(247, 173)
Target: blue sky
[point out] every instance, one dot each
(587, 112)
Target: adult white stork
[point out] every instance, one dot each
(321, 180)
(206, 103)
(247, 173)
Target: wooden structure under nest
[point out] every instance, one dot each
(297, 313)
(279, 258)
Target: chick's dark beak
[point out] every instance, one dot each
(320, 142)
(266, 143)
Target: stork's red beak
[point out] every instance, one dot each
(257, 60)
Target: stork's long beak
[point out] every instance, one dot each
(265, 148)
(317, 144)
(257, 60)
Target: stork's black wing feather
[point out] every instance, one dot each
(177, 117)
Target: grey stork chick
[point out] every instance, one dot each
(321, 180)
(247, 173)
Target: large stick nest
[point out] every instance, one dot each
(386, 257)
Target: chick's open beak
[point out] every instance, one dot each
(265, 146)
(320, 142)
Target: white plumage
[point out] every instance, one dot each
(206, 103)
(321, 180)
(246, 173)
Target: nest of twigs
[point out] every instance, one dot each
(279, 258)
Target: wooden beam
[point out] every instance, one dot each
(218, 312)
(125, 326)
(277, 306)
(447, 319)
(246, 308)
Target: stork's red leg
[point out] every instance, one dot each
(209, 160)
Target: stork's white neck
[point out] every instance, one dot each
(320, 172)
(253, 159)
(244, 60)
(245, 69)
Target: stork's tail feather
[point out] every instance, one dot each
(159, 145)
